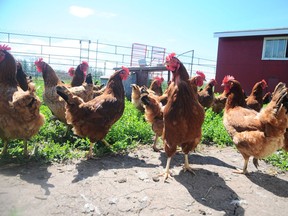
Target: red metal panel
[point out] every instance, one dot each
(139, 52)
(241, 57)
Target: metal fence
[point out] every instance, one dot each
(63, 53)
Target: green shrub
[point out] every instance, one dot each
(130, 129)
(55, 143)
(213, 129)
(279, 159)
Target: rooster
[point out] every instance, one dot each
(183, 114)
(256, 134)
(50, 97)
(20, 116)
(93, 119)
(255, 99)
(206, 95)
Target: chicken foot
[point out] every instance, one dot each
(25, 148)
(186, 166)
(166, 173)
(90, 153)
(255, 162)
(244, 171)
(155, 148)
(5, 147)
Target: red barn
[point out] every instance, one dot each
(253, 55)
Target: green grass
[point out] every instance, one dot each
(54, 143)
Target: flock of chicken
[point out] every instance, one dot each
(176, 115)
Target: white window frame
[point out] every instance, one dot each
(264, 46)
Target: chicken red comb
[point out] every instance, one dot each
(71, 71)
(85, 63)
(124, 75)
(4, 47)
(264, 82)
(228, 78)
(172, 63)
(170, 56)
(213, 81)
(125, 69)
(201, 74)
(159, 79)
(38, 64)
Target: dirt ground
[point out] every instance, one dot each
(127, 185)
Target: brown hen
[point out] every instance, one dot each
(156, 85)
(219, 102)
(153, 114)
(20, 116)
(256, 134)
(183, 114)
(50, 96)
(255, 99)
(206, 95)
(79, 74)
(136, 97)
(93, 119)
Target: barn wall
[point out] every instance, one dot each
(241, 57)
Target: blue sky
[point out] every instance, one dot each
(175, 25)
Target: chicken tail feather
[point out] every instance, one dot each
(89, 79)
(279, 96)
(62, 92)
(144, 96)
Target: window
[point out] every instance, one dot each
(275, 48)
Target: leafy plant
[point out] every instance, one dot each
(55, 143)
(130, 129)
(279, 159)
(213, 129)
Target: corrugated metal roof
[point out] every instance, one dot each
(247, 33)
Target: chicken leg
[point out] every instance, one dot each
(155, 148)
(5, 147)
(90, 153)
(244, 171)
(25, 148)
(106, 143)
(166, 173)
(255, 162)
(186, 166)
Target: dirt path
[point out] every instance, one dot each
(125, 185)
